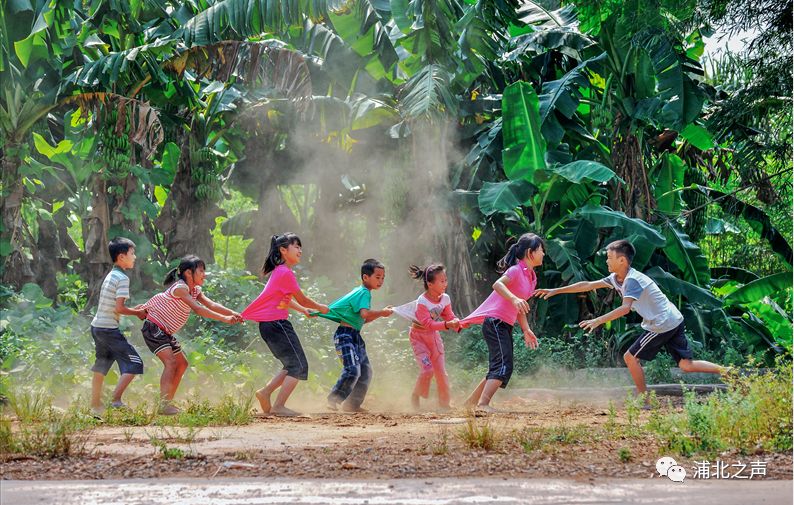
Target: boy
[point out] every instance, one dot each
(351, 312)
(109, 342)
(661, 320)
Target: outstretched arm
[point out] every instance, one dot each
(578, 287)
(121, 308)
(182, 294)
(215, 306)
(370, 315)
(297, 307)
(309, 303)
(592, 324)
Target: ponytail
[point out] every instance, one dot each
(274, 258)
(427, 274)
(190, 262)
(528, 242)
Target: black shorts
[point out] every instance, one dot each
(111, 346)
(649, 344)
(498, 337)
(157, 339)
(283, 342)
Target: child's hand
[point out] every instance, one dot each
(590, 324)
(229, 319)
(141, 312)
(544, 293)
(237, 317)
(530, 340)
(322, 309)
(454, 324)
(387, 311)
(521, 305)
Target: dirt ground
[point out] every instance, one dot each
(381, 445)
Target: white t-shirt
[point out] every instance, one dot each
(659, 315)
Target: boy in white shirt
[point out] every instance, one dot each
(661, 320)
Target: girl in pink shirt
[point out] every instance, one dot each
(433, 313)
(270, 309)
(498, 314)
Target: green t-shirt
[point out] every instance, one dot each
(346, 309)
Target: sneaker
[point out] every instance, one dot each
(119, 405)
(333, 404)
(169, 410)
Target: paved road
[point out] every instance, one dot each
(398, 492)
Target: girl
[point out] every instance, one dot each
(433, 313)
(270, 310)
(167, 312)
(498, 314)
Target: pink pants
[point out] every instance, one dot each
(429, 353)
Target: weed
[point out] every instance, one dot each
(167, 452)
(478, 435)
(624, 453)
(440, 446)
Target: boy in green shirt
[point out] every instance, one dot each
(351, 312)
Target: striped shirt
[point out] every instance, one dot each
(169, 312)
(116, 285)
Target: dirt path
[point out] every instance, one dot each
(403, 492)
(530, 439)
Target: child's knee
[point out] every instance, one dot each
(685, 365)
(629, 358)
(351, 372)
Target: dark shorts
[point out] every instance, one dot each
(157, 339)
(283, 342)
(498, 337)
(111, 346)
(649, 344)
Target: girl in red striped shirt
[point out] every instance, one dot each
(167, 313)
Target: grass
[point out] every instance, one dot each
(753, 415)
(479, 435)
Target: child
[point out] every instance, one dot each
(167, 314)
(498, 314)
(663, 323)
(433, 313)
(270, 310)
(109, 342)
(351, 312)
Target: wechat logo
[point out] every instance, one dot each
(667, 467)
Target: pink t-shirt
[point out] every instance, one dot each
(521, 282)
(273, 303)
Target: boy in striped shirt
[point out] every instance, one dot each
(109, 342)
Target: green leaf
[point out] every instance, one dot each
(758, 289)
(603, 217)
(580, 170)
(564, 255)
(504, 196)
(676, 286)
(698, 137)
(64, 146)
(669, 178)
(524, 147)
(161, 195)
(686, 256)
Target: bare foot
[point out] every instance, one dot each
(284, 412)
(444, 409)
(415, 402)
(348, 408)
(485, 409)
(264, 400)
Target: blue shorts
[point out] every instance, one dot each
(111, 346)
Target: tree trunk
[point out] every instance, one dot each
(96, 258)
(634, 195)
(16, 265)
(186, 221)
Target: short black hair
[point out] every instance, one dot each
(369, 266)
(623, 248)
(119, 245)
